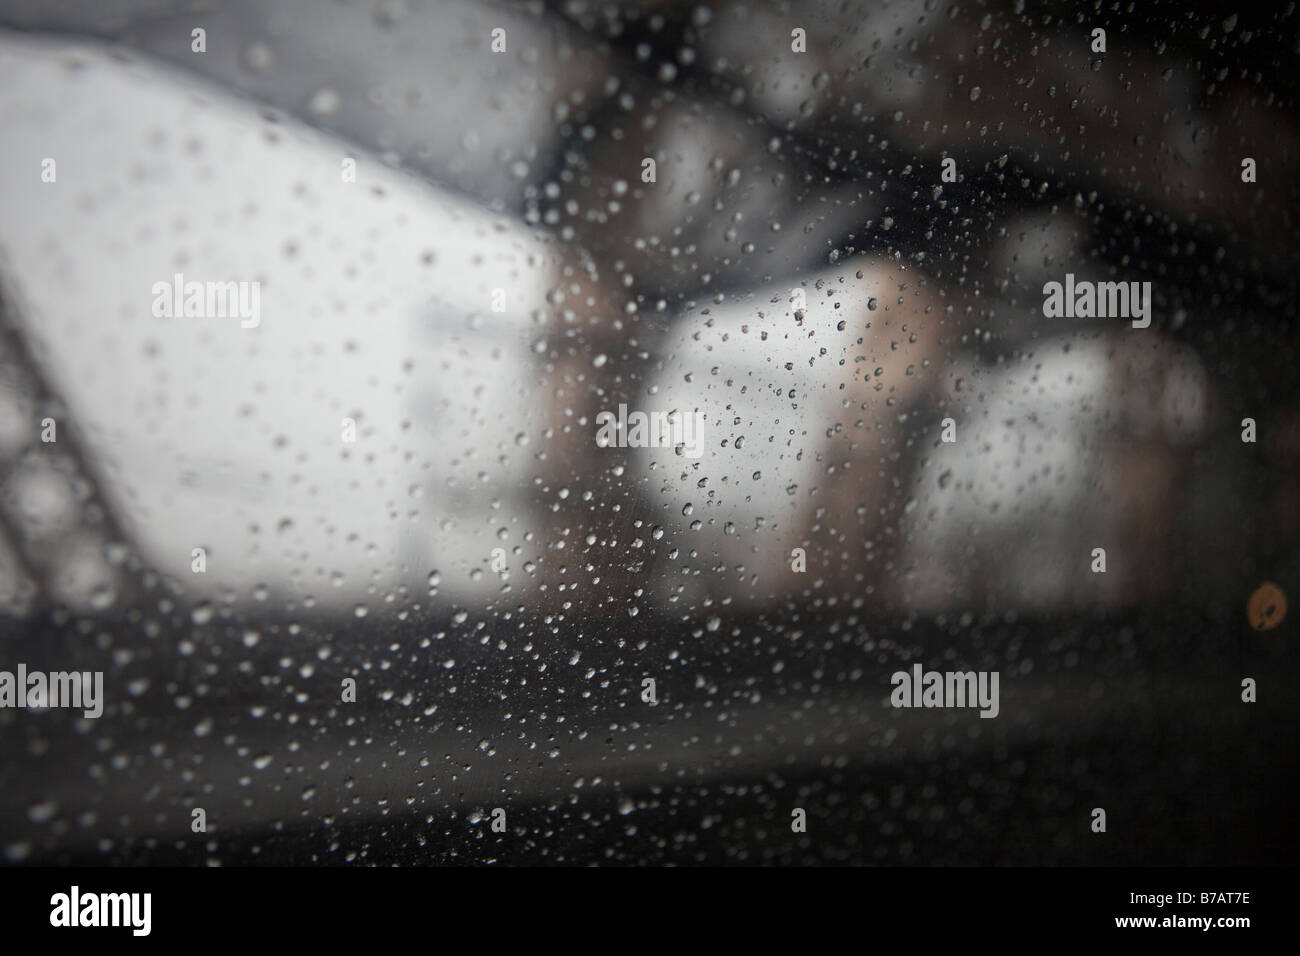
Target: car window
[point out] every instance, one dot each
(647, 433)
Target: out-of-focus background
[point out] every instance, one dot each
(498, 272)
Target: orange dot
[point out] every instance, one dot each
(1266, 607)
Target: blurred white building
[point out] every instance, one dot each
(376, 306)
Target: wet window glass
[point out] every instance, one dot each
(649, 432)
